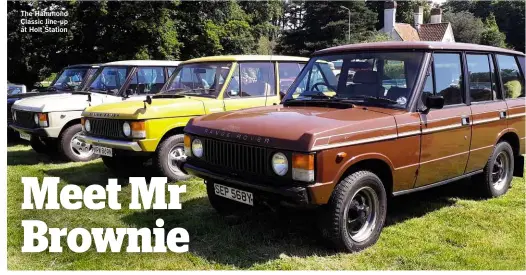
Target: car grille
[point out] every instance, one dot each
(236, 156)
(106, 128)
(25, 119)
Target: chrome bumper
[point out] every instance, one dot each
(117, 144)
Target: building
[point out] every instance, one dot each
(436, 30)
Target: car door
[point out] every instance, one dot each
(446, 133)
(253, 84)
(488, 109)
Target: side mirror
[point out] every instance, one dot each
(433, 102)
(282, 95)
(233, 93)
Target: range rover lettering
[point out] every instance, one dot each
(414, 116)
(154, 129)
(51, 123)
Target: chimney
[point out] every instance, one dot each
(389, 16)
(436, 15)
(418, 16)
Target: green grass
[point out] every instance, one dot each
(442, 228)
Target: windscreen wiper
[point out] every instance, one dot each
(376, 98)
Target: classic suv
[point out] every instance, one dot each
(52, 122)
(129, 133)
(416, 115)
(70, 78)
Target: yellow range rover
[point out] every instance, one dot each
(129, 133)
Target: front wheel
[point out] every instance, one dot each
(169, 152)
(498, 172)
(74, 149)
(355, 214)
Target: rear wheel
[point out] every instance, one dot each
(498, 172)
(169, 152)
(355, 214)
(73, 148)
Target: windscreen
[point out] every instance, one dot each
(380, 78)
(109, 80)
(70, 79)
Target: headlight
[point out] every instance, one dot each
(126, 129)
(35, 117)
(14, 115)
(87, 125)
(197, 148)
(280, 164)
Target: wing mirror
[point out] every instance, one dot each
(433, 102)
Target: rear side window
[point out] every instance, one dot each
(481, 78)
(512, 80)
(288, 71)
(448, 77)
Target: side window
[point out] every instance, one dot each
(256, 79)
(448, 77)
(147, 80)
(288, 71)
(481, 83)
(428, 86)
(512, 81)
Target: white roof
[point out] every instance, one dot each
(142, 63)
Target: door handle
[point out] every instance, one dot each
(502, 114)
(465, 120)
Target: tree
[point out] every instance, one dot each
(492, 35)
(466, 27)
(318, 32)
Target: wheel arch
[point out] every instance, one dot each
(511, 137)
(69, 124)
(377, 163)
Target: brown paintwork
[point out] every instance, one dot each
(419, 149)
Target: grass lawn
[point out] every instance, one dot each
(442, 228)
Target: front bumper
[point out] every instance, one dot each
(52, 132)
(117, 144)
(297, 195)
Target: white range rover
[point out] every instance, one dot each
(51, 123)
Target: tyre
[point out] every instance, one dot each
(496, 177)
(168, 153)
(223, 206)
(354, 217)
(72, 148)
(43, 146)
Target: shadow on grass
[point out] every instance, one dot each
(30, 157)
(96, 173)
(263, 236)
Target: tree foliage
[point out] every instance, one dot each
(466, 27)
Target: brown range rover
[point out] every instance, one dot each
(400, 117)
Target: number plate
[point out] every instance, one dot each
(234, 194)
(105, 151)
(25, 136)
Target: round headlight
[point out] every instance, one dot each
(197, 148)
(126, 129)
(87, 125)
(280, 164)
(36, 119)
